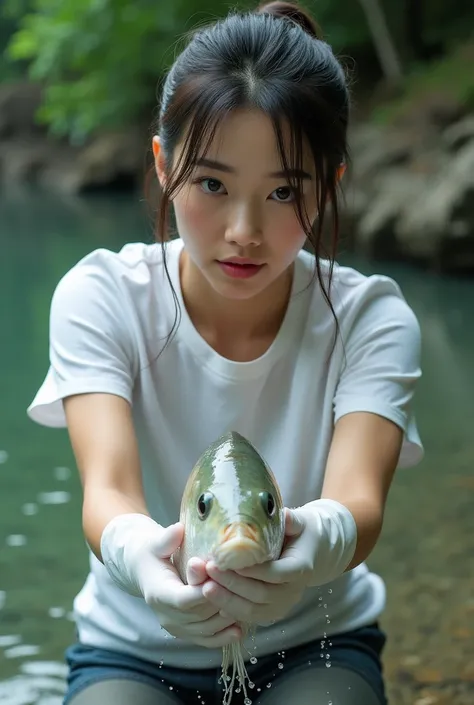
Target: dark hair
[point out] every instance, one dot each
(273, 60)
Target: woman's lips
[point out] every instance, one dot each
(239, 270)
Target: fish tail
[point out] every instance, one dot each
(233, 656)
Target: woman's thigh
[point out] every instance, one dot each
(120, 691)
(320, 686)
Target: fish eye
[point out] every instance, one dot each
(268, 503)
(204, 505)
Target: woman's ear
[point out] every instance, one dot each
(341, 171)
(160, 162)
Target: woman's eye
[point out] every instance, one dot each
(284, 194)
(211, 186)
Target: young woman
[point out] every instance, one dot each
(158, 349)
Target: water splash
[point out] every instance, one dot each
(38, 683)
(29, 509)
(62, 474)
(57, 612)
(9, 640)
(59, 497)
(22, 650)
(16, 540)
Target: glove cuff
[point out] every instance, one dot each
(337, 539)
(119, 545)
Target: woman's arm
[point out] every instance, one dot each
(105, 447)
(361, 463)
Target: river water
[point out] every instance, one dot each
(426, 552)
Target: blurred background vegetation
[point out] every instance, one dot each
(99, 60)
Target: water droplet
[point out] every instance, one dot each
(247, 701)
(330, 591)
(29, 509)
(21, 650)
(328, 665)
(62, 474)
(48, 669)
(325, 606)
(253, 659)
(15, 540)
(328, 655)
(54, 497)
(161, 664)
(3, 456)
(269, 685)
(171, 687)
(328, 621)
(320, 598)
(56, 612)
(259, 690)
(321, 655)
(251, 684)
(282, 631)
(9, 640)
(280, 666)
(238, 690)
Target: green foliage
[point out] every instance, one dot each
(449, 76)
(100, 60)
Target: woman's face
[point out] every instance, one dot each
(236, 214)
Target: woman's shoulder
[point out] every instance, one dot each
(134, 269)
(351, 291)
(129, 263)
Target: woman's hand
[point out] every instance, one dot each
(320, 540)
(136, 552)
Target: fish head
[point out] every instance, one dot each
(232, 508)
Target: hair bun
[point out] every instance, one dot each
(293, 12)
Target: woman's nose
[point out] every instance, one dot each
(245, 226)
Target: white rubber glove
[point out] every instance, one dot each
(136, 552)
(320, 542)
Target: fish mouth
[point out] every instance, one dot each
(239, 547)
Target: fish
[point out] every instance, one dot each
(232, 512)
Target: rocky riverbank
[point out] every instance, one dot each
(409, 192)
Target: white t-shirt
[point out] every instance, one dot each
(110, 316)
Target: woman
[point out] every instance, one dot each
(159, 349)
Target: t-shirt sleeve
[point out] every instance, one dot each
(90, 347)
(381, 368)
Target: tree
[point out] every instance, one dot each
(383, 41)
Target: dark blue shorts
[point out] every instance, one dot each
(359, 650)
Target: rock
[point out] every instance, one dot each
(459, 134)
(435, 110)
(439, 227)
(376, 230)
(18, 105)
(376, 148)
(111, 158)
(22, 159)
(428, 675)
(29, 156)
